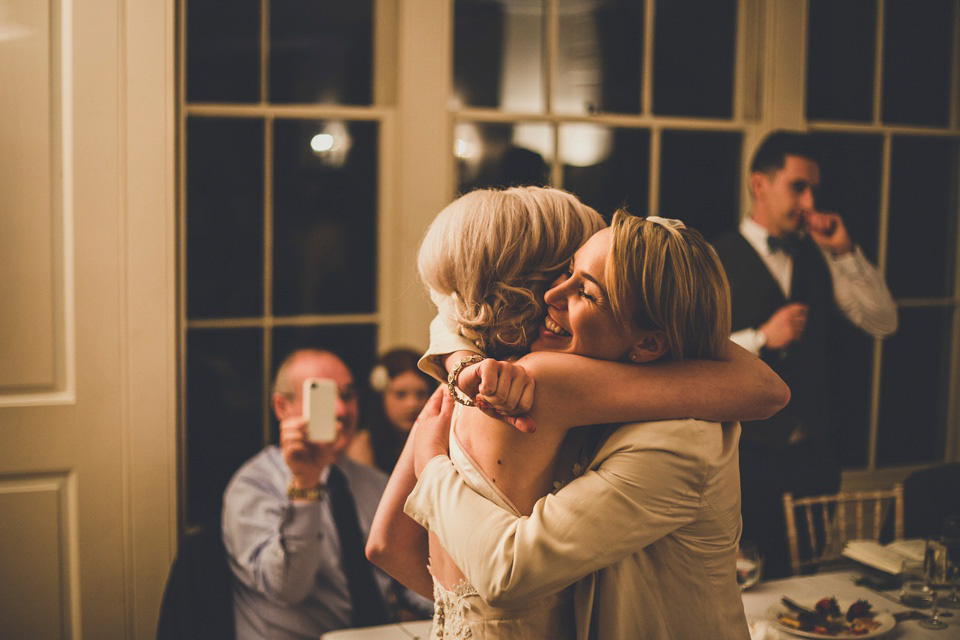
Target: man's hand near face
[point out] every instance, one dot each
(305, 458)
(828, 231)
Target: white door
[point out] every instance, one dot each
(87, 317)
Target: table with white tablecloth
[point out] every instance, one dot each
(756, 602)
(808, 589)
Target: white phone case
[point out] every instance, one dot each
(319, 408)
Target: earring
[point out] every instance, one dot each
(635, 357)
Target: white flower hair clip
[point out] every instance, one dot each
(670, 224)
(379, 378)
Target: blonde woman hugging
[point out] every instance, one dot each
(647, 516)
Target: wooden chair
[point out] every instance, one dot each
(829, 521)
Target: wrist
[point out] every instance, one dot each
(423, 462)
(469, 380)
(314, 492)
(761, 338)
(842, 250)
(452, 379)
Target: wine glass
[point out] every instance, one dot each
(749, 564)
(950, 538)
(934, 571)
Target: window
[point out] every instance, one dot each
(281, 205)
(624, 103)
(878, 94)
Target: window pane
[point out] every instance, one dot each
(916, 61)
(607, 168)
(503, 155)
(850, 178)
(851, 375)
(498, 54)
(700, 179)
(355, 344)
(224, 217)
(225, 398)
(600, 63)
(914, 388)
(321, 51)
(840, 60)
(325, 217)
(693, 58)
(923, 217)
(223, 55)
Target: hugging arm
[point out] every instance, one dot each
(574, 390)
(397, 544)
(638, 494)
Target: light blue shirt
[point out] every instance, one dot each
(285, 556)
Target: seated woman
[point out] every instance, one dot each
(514, 469)
(398, 391)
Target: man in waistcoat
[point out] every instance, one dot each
(792, 270)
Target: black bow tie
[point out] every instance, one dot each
(788, 243)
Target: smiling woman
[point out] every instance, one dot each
(398, 391)
(680, 307)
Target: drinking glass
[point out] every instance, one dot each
(749, 564)
(934, 571)
(950, 538)
(914, 591)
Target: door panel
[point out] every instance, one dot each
(87, 319)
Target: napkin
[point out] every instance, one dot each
(888, 557)
(763, 630)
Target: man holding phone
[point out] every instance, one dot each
(296, 517)
(792, 269)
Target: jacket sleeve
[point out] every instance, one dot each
(444, 339)
(636, 491)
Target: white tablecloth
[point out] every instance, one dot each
(809, 589)
(756, 602)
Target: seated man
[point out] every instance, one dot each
(296, 519)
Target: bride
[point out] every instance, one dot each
(661, 293)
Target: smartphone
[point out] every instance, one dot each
(319, 408)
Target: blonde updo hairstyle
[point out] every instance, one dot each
(668, 278)
(490, 255)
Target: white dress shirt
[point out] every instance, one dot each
(858, 287)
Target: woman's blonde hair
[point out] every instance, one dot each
(490, 255)
(669, 278)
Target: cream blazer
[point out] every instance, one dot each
(649, 534)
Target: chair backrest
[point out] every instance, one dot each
(198, 601)
(818, 527)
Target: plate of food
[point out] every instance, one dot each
(828, 618)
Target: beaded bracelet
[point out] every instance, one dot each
(455, 393)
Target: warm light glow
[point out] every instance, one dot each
(583, 144)
(332, 144)
(321, 142)
(466, 144)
